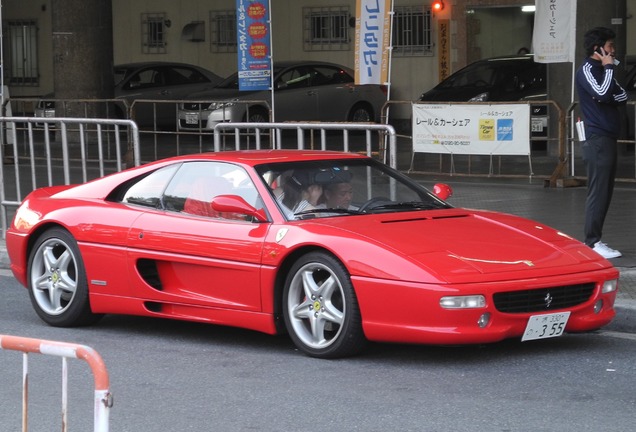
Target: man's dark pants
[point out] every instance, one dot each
(600, 156)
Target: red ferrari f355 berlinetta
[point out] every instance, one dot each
(336, 249)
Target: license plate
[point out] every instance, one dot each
(192, 118)
(537, 126)
(545, 326)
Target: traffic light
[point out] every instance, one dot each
(437, 5)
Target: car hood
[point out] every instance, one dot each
(458, 245)
(458, 94)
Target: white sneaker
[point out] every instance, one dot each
(605, 251)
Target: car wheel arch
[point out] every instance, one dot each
(256, 109)
(35, 235)
(279, 284)
(362, 105)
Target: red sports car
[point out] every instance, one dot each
(336, 249)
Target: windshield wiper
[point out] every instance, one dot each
(327, 210)
(409, 205)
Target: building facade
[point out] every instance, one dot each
(427, 45)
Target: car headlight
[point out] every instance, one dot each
(481, 97)
(609, 286)
(463, 302)
(221, 105)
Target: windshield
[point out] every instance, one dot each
(334, 188)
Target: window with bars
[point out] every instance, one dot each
(412, 34)
(223, 31)
(153, 33)
(326, 28)
(21, 57)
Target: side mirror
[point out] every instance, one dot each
(236, 204)
(442, 191)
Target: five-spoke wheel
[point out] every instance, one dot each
(57, 281)
(320, 308)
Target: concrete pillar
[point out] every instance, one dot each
(83, 52)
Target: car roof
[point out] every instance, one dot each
(138, 65)
(510, 58)
(258, 157)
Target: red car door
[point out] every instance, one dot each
(180, 258)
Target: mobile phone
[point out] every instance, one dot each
(600, 50)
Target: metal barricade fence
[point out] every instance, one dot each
(386, 136)
(82, 149)
(103, 398)
(626, 161)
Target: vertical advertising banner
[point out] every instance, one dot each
(554, 37)
(252, 30)
(373, 33)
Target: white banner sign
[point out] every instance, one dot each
(373, 27)
(472, 129)
(554, 36)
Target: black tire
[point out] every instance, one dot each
(320, 308)
(361, 113)
(257, 115)
(57, 281)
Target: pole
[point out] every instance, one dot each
(271, 58)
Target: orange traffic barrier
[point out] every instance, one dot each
(103, 399)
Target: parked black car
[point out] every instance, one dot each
(509, 78)
(499, 79)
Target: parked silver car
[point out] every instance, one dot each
(153, 81)
(303, 91)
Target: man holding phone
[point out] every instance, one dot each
(600, 95)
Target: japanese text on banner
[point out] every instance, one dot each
(253, 43)
(373, 27)
(471, 129)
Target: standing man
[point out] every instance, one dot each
(599, 98)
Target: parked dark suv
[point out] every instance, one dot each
(499, 79)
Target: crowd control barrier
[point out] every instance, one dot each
(384, 147)
(103, 399)
(60, 151)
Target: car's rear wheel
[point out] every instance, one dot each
(320, 308)
(361, 113)
(57, 281)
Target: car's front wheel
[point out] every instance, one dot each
(57, 281)
(321, 309)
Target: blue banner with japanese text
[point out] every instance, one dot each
(253, 45)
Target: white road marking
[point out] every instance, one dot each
(619, 335)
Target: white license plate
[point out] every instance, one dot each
(537, 126)
(545, 326)
(192, 118)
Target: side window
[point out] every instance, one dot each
(196, 184)
(148, 190)
(183, 76)
(294, 78)
(144, 79)
(325, 75)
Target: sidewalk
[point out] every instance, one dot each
(561, 208)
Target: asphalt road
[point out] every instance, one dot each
(178, 376)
